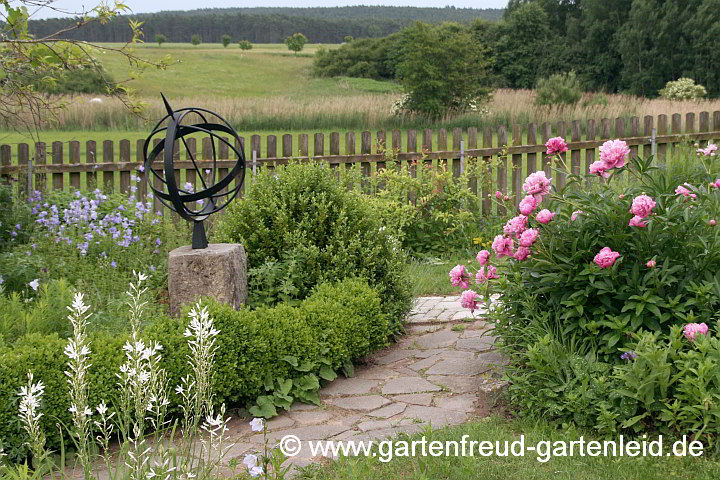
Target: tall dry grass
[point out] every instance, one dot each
(365, 112)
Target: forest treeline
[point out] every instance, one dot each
(265, 25)
(616, 46)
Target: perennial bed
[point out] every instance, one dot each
(609, 295)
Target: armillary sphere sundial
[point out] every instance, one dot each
(215, 195)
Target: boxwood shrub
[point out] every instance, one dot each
(301, 227)
(337, 324)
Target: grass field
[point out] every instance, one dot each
(269, 88)
(268, 70)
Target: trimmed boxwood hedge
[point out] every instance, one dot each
(341, 323)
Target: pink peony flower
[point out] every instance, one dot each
(503, 246)
(575, 214)
(522, 253)
(482, 257)
(709, 151)
(516, 225)
(716, 184)
(606, 258)
(499, 195)
(642, 206)
(651, 264)
(637, 221)
(681, 190)
(480, 276)
(527, 205)
(528, 237)
(469, 299)
(599, 168)
(459, 277)
(544, 216)
(692, 329)
(537, 185)
(613, 153)
(556, 145)
(491, 272)
(712, 222)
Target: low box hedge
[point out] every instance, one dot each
(337, 324)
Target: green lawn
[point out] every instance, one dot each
(209, 70)
(526, 467)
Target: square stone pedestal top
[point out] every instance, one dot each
(218, 271)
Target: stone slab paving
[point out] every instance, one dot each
(442, 372)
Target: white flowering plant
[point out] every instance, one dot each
(683, 89)
(132, 436)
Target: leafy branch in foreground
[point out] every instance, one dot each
(27, 62)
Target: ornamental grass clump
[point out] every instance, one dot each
(136, 418)
(609, 295)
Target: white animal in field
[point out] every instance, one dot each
(96, 100)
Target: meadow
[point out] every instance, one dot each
(270, 90)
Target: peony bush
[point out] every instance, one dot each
(608, 297)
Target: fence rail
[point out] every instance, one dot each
(31, 166)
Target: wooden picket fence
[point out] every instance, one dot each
(523, 154)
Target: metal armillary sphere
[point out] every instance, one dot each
(215, 194)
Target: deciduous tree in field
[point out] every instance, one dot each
(245, 45)
(226, 39)
(296, 42)
(160, 39)
(439, 72)
(195, 39)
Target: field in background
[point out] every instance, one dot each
(269, 89)
(210, 70)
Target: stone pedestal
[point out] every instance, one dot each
(218, 271)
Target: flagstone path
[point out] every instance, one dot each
(443, 372)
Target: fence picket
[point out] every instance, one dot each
(40, 161)
(57, 159)
(575, 152)
(125, 174)
(487, 178)
(502, 172)
(516, 174)
(5, 160)
(74, 159)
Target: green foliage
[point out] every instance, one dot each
(57, 256)
(195, 39)
(365, 57)
(226, 39)
(348, 38)
(439, 72)
(279, 353)
(683, 89)
(566, 322)
(91, 79)
(45, 314)
(301, 227)
(160, 39)
(296, 42)
(275, 355)
(434, 211)
(521, 46)
(558, 89)
(245, 45)
(16, 224)
(271, 24)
